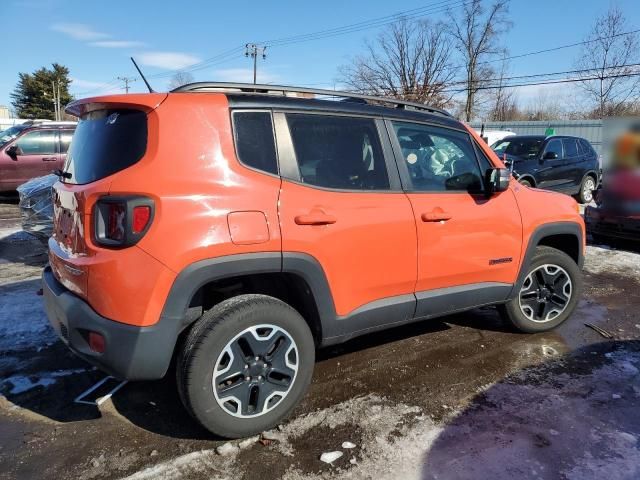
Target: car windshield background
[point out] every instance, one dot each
(10, 133)
(438, 159)
(524, 148)
(105, 142)
(338, 152)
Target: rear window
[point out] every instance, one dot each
(105, 142)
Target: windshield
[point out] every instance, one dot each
(518, 147)
(10, 133)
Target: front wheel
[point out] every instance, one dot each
(245, 365)
(549, 293)
(525, 182)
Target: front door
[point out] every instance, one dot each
(341, 203)
(552, 172)
(469, 244)
(37, 154)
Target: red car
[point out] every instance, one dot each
(617, 214)
(32, 150)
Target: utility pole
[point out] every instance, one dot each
(253, 50)
(127, 81)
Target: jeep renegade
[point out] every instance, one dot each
(239, 228)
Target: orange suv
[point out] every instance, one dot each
(240, 228)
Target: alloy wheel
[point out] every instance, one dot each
(587, 189)
(255, 371)
(545, 293)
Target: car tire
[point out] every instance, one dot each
(545, 299)
(525, 182)
(245, 365)
(587, 188)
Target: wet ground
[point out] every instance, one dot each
(459, 397)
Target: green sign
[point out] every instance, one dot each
(549, 131)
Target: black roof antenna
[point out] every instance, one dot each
(142, 75)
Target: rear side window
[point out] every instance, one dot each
(586, 147)
(338, 152)
(105, 142)
(570, 147)
(254, 140)
(37, 142)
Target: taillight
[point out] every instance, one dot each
(141, 217)
(96, 342)
(121, 221)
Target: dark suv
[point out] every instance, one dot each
(561, 163)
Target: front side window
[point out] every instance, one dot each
(254, 140)
(438, 159)
(37, 142)
(554, 146)
(338, 152)
(570, 147)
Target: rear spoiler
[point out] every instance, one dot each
(141, 101)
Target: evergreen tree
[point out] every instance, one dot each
(33, 96)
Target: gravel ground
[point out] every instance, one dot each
(459, 397)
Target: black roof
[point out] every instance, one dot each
(242, 100)
(246, 95)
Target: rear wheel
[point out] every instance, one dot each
(587, 188)
(245, 365)
(549, 293)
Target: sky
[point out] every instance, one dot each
(95, 39)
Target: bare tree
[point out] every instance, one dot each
(180, 78)
(504, 105)
(476, 33)
(409, 60)
(606, 57)
(543, 107)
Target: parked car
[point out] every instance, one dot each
(560, 163)
(240, 231)
(36, 206)
(32, 150)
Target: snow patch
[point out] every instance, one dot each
(602, 260)
(23, 383)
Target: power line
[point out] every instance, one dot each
(127, 81)
(228, 55)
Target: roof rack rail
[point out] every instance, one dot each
(266, 89)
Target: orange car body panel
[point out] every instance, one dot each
(371, 230)
(209, 205)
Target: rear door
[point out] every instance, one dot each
(37, 154)
(341, 203)
(574, 162)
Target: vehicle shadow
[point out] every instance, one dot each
(572, 417)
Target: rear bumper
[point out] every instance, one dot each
(610, 225)
(131, 353)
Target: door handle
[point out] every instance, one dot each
(49, 159)
(315, 217)
(436, 216)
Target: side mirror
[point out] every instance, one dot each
(13, 151)
(550, 156)
(497, 180)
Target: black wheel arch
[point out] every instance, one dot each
(567, 237)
